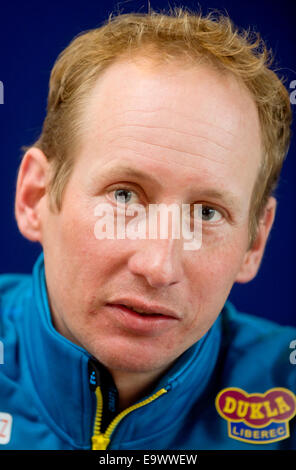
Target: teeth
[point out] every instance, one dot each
(137, 310)
(140, 311)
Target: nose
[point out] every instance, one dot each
(159, 262)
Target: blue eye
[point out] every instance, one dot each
(123, 195)
(209, 214)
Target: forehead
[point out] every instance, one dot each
(187, 118)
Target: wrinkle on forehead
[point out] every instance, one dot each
(167, 143)
(161, 149)
(149, 115)
(151, 127)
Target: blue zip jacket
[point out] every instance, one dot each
(233, 389)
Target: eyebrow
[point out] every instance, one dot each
(225, 196)
(128, 171)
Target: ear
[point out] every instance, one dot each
(253, 256)
(30, 190)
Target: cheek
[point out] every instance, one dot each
(213, 269)
(211, 278)
(88, 260)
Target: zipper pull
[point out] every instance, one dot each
(100, 442)
(101, 382)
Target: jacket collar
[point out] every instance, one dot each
(60, 369)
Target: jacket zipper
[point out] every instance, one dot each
(100, 441)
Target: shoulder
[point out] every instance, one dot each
(247, 330)
(255, 348)
(11, 281)
(13, 289)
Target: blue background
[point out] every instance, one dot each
(33, 33)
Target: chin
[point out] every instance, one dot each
(133, 360)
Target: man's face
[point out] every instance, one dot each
(190, 135)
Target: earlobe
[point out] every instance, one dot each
(253, 256)
(30, 189)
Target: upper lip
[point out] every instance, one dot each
(140, 304)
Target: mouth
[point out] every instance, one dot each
(142, 313)
(142, 318)
(144, 308)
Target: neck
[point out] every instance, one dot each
(132, 386)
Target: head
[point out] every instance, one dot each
(173, 109)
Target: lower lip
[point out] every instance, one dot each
(138, 323)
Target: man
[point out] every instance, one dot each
(130, 343)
